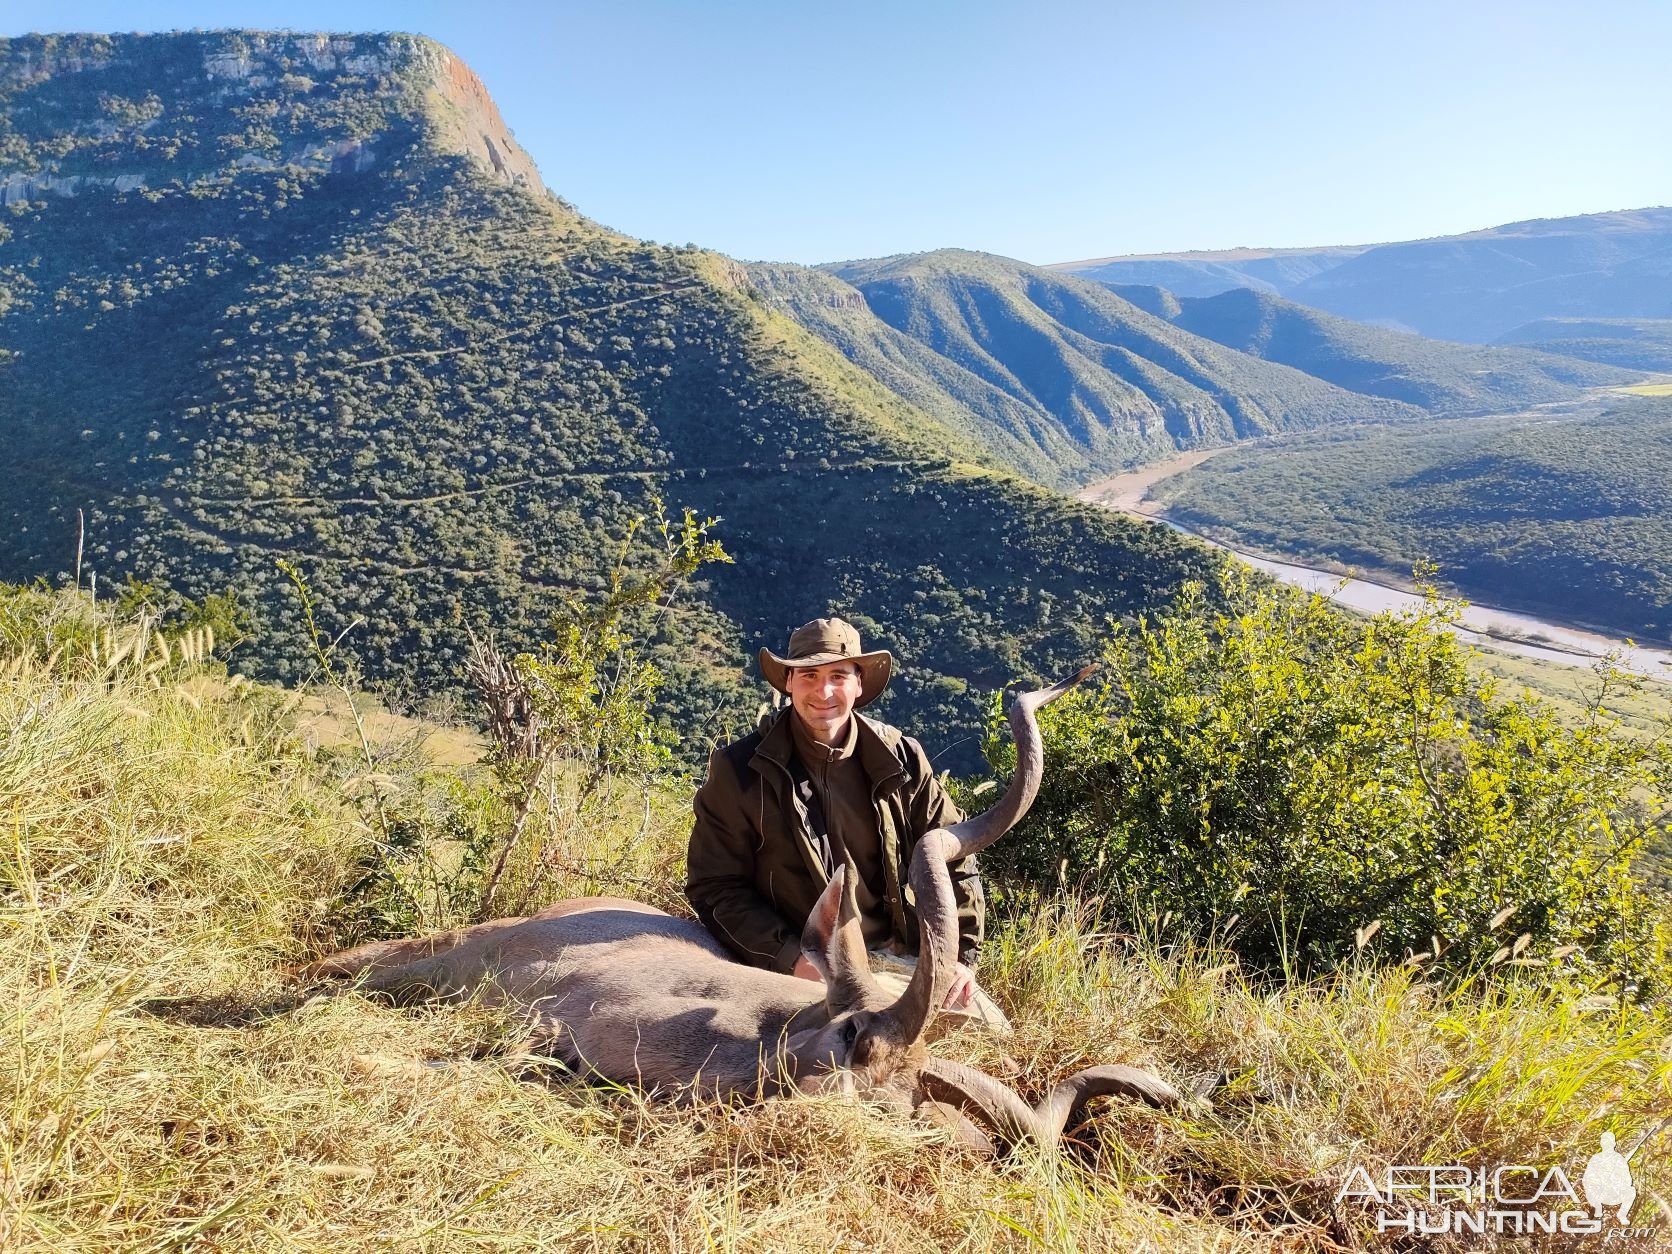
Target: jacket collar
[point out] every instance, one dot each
(876, 749)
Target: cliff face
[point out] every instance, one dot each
(467, 120)
(127, 112)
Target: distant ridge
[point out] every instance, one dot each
(1640, 343)
(1473, 287)
(1209, 272)
(1442, 377)
(1226, 255)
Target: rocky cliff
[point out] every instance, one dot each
(126, 112)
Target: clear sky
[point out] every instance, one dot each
(1048, 130)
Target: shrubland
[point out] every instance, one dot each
(1441, 377)
(173, 845)
(1307, 785)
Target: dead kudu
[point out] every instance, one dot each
(641, 997)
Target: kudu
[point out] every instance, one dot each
(638, 996)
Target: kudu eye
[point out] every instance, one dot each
(850, 1034)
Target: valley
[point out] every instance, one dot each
(1368, 503)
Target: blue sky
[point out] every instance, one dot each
(1047, 131)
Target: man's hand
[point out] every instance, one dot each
(806, 970)
(963, 989)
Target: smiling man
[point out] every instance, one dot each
(786, 805)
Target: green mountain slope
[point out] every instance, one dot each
(1439, 376)
(1014, 430)
(292, 296)
(1056, 367)
(1638, 343)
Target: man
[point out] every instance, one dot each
(786, 805)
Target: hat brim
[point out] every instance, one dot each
(874, 670)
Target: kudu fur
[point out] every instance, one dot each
(638, 996)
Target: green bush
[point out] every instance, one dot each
(1310, 785)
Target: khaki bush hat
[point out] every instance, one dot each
(821, 642)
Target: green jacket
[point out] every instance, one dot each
(756, 866)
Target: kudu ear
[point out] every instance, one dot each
(822, 923)
(834, 943)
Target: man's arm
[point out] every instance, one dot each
(720, 876)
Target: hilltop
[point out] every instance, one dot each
(302, 296)
(177, 845)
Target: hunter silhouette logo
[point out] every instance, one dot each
(1513, 1199)
(1607, 1179)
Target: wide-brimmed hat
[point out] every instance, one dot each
(821, 642)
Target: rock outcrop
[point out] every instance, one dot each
(273, 82)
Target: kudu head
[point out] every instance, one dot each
(860, 1049)
(874, 1047)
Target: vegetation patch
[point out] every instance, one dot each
(1306, 787)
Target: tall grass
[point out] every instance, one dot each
(170, 845)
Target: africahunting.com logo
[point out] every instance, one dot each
(1513, 1200)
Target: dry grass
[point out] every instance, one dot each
(325, 721)
(169, 846)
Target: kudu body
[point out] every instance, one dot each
(638, 996)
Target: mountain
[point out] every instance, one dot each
(1473, 287)
(1439, 376)
(1054, 375)
(1638, 343)
(1019, 434)
(1477, 286)
(1209, 273)
(292, 296)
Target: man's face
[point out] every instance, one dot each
(823, 696)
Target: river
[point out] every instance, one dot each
(1504, 630)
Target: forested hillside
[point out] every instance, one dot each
(1441, 377)
(1055, 375)
(1563, 517)
(1640, 343)
(294, 296)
